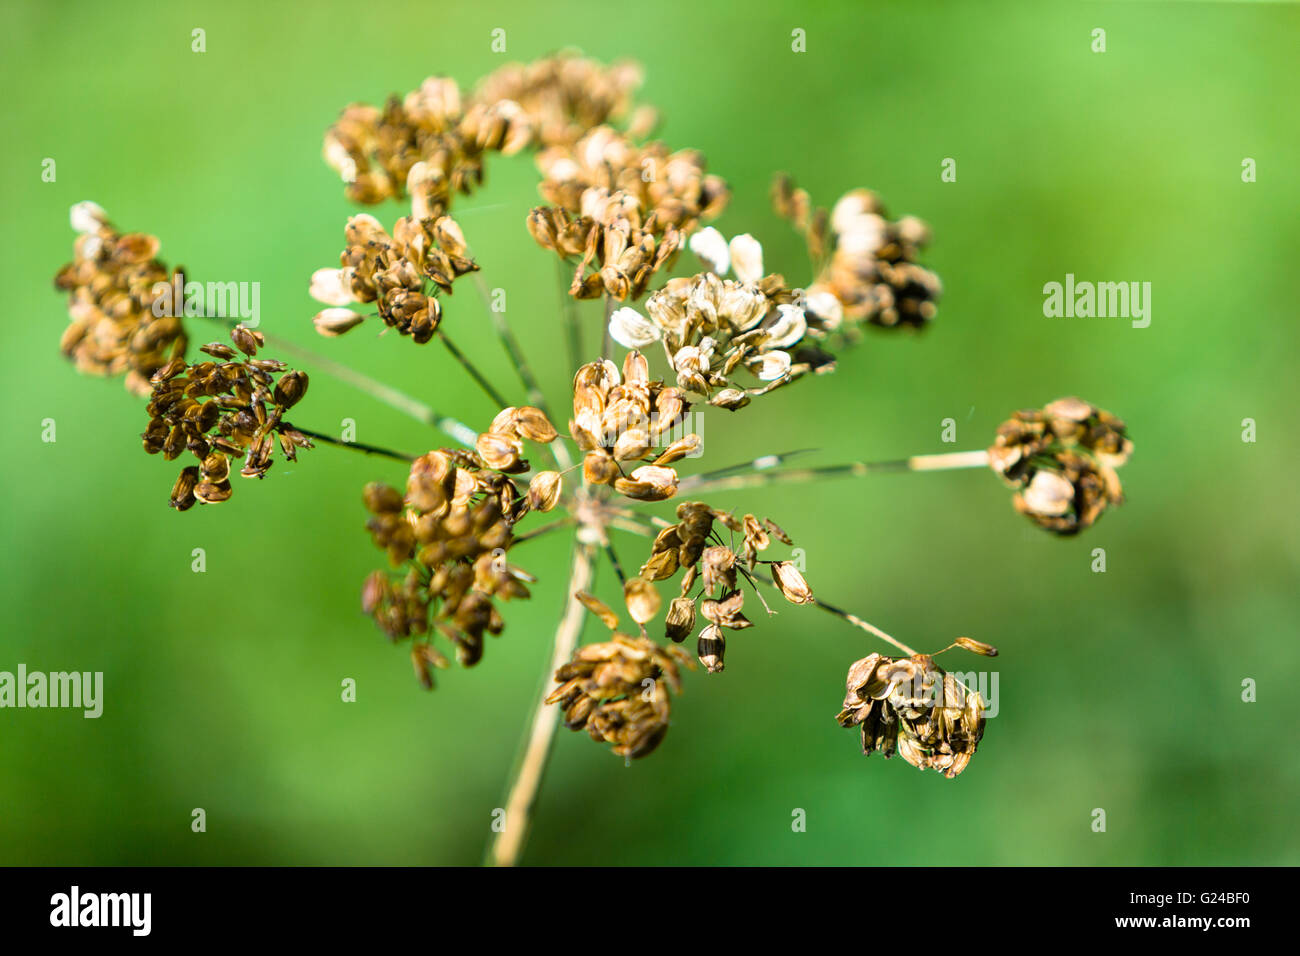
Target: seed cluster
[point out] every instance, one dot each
(223, 409)
(432, 143)
(619, 691)
(448, 536)
(622, 209)
(112, 285)
(911, 707)
(1062, 460)
(868, 269)
(712, 327)
(564, 96)
(402, 274)
(693, 547)
(625, 419)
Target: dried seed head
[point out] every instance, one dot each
(910, 706)
(619, 692)
(223, 409)
(448, 537)
(1062, 460)
(124, 305)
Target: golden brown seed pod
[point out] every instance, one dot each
(642, 599)
(976, 647)
(498, 451)
(534, 426)
(712, 648)
(544, 490)
(680, 620)
(791, 583)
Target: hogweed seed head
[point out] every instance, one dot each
(223, 409)
(113, 284)
(911, 707)
(1062, 460)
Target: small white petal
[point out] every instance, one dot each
(630, 329)
(769, 366)
(789, 327)
(710, 248)
(331, 287)
(86, 217)
(746, 258)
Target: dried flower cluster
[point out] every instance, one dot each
(112, 284)
(402, 274)
(1062, 459)
(694, 547)
(448, 535)
(432, 142)
(622, 209)
(911, 707)
(867, 263)
(619, 211)
(624, 419)
(223, 409)
(618, 691)
(712, 327)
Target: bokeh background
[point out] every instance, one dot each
(1119, 691)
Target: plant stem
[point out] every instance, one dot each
(488, 388)
(606, 342)
(952, 460)
(570, 307)
(526, 779)
(358, 446)
(559, 454)
(404, 403)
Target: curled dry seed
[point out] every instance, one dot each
(599, 608)
(976, 647)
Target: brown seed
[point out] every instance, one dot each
(711, 648)
(544, 490)
(599, 608)
(791, 583)
(642, 599)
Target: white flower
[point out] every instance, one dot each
(746, 258)
(789, 327)
(630, 329)
(332, 286)
(87, 217)
(710, 247)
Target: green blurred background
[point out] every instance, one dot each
(1119, 691)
